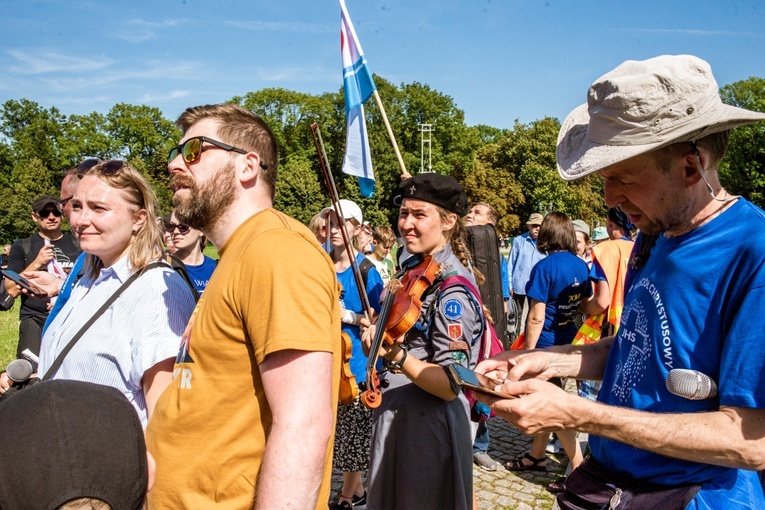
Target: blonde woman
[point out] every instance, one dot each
(132, 345)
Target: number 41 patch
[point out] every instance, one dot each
(452, 309)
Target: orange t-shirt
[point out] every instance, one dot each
(274, 289)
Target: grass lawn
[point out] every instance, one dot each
(9, 334)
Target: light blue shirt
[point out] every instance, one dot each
(141, 328)
(523, 256)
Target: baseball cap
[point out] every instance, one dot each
(642, 106)
(41, 202)
(349, 209)
(64, 440)
(535, 219)
(434, 188)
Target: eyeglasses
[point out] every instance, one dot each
(192, 149)
(47, 212)
(107, 168)
(182, 229)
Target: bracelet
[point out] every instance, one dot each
(395, 366)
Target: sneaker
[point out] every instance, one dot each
(553, 446)
(360, 502)
(482, 460)
(342, 505)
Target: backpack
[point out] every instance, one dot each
(6, 300)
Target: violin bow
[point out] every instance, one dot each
(335, 198)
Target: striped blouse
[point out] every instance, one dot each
(140, 329)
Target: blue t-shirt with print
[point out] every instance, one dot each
(560, 281)
(350, 300)
(695, 305)
(200, 275)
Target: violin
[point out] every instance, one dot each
(349, 390)
(399, 312)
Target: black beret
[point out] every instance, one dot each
(437, 189)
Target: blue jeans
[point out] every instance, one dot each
(481, 441)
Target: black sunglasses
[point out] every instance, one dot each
(192, 149)
(182, 229)
(47, 212)
(107, 167)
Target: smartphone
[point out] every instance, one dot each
(22, 282)
(475, 381)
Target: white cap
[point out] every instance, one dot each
(349, 210)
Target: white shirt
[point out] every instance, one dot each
(140, 329)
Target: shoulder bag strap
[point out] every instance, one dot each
(60, 358)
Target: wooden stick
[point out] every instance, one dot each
(404, 173)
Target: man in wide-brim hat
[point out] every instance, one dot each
(656, 131)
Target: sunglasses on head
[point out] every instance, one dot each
(107, 167)
(182, 229)
(192, 149)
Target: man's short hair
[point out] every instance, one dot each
(65, 440)
(242, 128)
(492, 214)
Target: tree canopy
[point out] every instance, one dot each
(512, 169)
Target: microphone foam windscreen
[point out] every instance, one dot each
(19, 370)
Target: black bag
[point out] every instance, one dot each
(484, 246)
(592, 487)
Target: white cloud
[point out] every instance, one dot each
(275, 26)
(43, 62)
(688, 31)
(158, 98)
(298, 74)
(140, 30)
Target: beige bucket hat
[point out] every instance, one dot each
(641, 106)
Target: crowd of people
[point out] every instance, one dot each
(216, 384)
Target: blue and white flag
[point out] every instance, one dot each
(358, 84)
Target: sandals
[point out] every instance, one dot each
(536, 464)
(558, 486)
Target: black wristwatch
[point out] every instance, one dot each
(395, 366)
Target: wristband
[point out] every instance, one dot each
(395, 366)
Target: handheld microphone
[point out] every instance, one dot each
(19, 370)
(691, 384)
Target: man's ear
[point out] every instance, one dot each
(693, 165)
(250, 172)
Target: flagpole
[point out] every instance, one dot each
(404, 173)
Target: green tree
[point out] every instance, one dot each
(742, 170)
(29, 180)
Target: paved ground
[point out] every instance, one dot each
(505, 490)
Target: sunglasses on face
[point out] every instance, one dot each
(192, 149)
(62, 203)
(47, 212)
(107, 167)
(182, 229)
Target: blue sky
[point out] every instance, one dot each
(499, 60)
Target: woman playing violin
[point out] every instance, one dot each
(421, 440)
